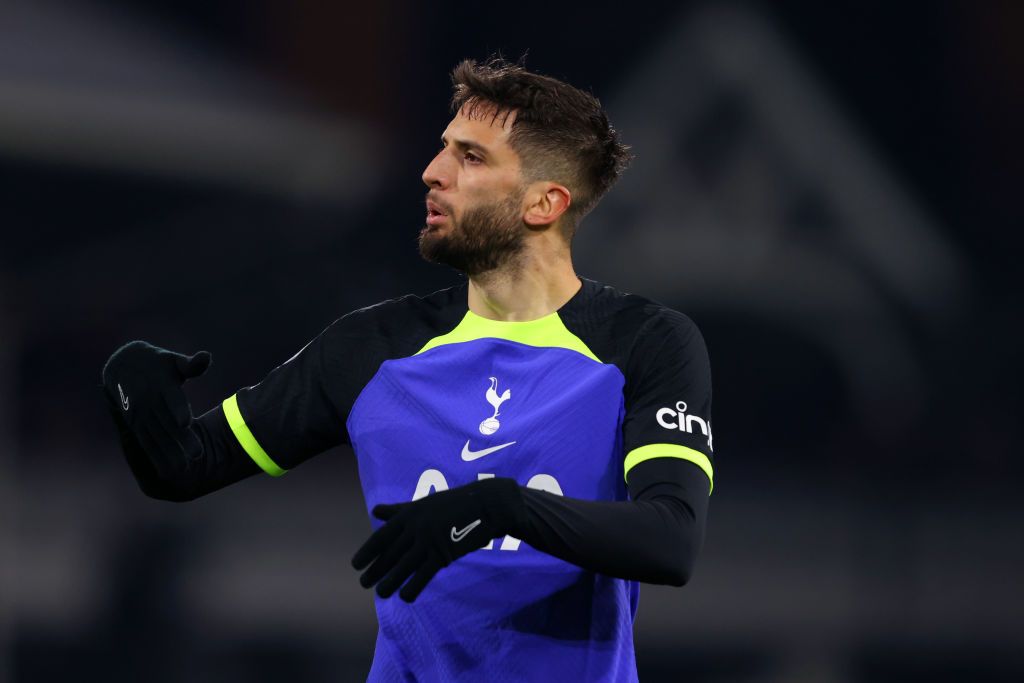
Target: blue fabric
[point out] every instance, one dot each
(512, 614)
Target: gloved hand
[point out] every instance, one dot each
(142, 384)
(422, 537)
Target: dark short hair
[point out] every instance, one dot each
(559, 132)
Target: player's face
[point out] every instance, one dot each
(475, 202)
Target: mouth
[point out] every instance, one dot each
(435, 214)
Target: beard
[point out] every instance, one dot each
(487, 237)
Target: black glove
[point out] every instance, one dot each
(142, 384)
(422, 537)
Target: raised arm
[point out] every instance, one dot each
(295, 412)
(173, 455)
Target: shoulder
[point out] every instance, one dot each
(647, 314)
(397, 325)
(627, 326)
(659, 347)
(414, 304)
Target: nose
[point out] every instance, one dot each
(436, 175)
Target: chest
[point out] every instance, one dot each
(491, 407)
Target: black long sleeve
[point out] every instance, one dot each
(222, 462)
(654, 537)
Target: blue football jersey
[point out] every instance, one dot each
(432, 396)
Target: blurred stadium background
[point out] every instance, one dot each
(831, 191)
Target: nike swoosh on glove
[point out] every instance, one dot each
(142, 384)
(421, 538)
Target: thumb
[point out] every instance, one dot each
(193, 366)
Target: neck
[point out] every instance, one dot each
(529, 287)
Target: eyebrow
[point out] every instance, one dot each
(467, 144)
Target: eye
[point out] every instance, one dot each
(472, 158)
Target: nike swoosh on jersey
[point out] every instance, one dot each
(461, 533)
(469, 455)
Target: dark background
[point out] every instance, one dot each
(831, 191)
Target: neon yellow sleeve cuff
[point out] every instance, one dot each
(669, 450)
(247, 440)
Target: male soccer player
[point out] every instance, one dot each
(531, 444)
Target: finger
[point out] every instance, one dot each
(409, 563)
(386, 560)
(194, 365)
(386, 511)
(120, 357)
(414, 586)
(375, 544)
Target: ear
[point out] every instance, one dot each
(546, 202)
